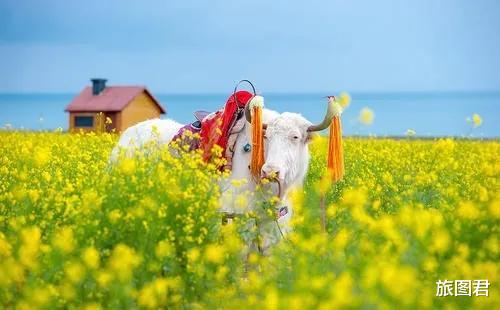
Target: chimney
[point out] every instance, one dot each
(98, 86)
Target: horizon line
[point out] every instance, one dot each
(279, 92)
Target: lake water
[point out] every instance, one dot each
(429, 114)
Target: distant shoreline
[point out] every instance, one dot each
(358, 94)
(354, 137)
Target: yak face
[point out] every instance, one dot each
(286, 149)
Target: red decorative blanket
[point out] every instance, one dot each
(216, 127)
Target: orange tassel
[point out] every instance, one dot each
(335, 164)
(257, 160)
(331, 163)
(340, 148)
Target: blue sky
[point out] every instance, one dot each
(205, 46)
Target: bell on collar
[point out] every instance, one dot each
(247, 148)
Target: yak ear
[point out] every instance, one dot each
(310, 136)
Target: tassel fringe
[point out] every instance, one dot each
(335, 162)
(257, 160)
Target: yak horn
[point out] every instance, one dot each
(333, 110)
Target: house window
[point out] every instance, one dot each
(84, 121)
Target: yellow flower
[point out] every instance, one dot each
(64, 240)
(114, 215)
(193, 254)
(128, 166)
(29, 249)
(42, 295)
(344, 99)
(42, 156)
(91, 201)
(354, 197)
(494, 208)
(163, 249)
(430, 264)
(147, 297)
(154, 293)
(476, 120)
(342, 290)
(92, 306)
(214, 254)
(5, 247)
(399, 281)
(241, 201)
(75, 272)
(325, 183)
(123, 261)
(67, 292)
(91, 257)
(341, 239)
(104, 278)
(483, 194)
(467, 210)
(238, 182)
(440, 241)
(271, 299)
(366, 116)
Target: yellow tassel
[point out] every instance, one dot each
(257, 160)
(335, 164)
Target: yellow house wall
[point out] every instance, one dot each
(140, 109)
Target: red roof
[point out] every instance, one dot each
(111, 99)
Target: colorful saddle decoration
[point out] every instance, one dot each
(220, 127)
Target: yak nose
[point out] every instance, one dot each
(270, 171)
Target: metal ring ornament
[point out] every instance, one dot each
(236, 88)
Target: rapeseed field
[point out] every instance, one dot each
(77, 233)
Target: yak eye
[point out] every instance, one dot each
(295, 137)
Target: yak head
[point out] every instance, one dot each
(286, 152)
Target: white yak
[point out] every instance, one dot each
(286, 156)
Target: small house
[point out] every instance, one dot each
(107, 108)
